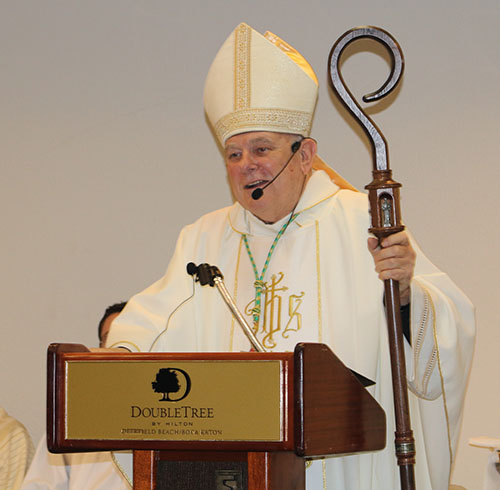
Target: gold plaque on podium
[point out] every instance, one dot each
(219, 400)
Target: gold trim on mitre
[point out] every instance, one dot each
(292, 53)
(242, 42)
(259, 83)
(257, 119)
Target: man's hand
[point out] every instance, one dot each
(394, 259)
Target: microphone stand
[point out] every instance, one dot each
(386, 220)
(211, 275)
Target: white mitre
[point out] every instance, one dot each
(259, 83)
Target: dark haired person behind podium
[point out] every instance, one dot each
(294, 256)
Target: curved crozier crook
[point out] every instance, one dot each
(378, 141)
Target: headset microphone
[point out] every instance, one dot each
(296, 146)
(259, 192)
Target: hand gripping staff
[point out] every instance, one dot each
(385, 211)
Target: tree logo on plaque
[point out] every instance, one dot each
(167, 382)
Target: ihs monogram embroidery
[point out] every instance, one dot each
(272, 322)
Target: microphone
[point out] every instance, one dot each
(259, 192)
(191, 268)
(204, 273)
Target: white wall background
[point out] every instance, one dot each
(105, 154)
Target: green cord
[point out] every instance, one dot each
(259, 280)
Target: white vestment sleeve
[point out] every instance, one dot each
(47, 471)
(74, 471)
(438, 362)
(442, 331)
(145, 320)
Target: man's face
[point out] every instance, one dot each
(252, 160)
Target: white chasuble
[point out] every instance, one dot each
(319, 286)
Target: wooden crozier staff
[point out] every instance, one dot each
(386, 220)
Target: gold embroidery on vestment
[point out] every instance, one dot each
(294, 323)
(272, 301)
(318, 280)
(424, 321)
(235, 295)
(418, 343)
(272, 310)
(445, 404)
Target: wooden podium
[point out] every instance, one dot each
(210, 421)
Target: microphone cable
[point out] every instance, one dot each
(175, 310)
